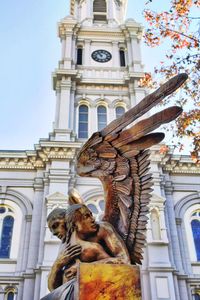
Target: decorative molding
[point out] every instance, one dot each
(37, 159)
(56, 199)
(156, 200)
(173, 163)
(66, 26)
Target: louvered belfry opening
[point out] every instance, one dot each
(100, 10)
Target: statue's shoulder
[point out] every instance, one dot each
(106, 226)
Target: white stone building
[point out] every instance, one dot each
(96, 81)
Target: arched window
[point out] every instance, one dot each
(99, 10)
(6, 230)
(79, 56)
(83, 122)
(10, 296)
(102, 117)
(120, 110)
(196, 296)
(122, 58)
(97, 208)
(195, 224)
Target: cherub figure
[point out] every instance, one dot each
(83, 240)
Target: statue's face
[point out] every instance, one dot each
(58, 228)
(85, 222)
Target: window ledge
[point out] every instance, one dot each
(195, 263)
(157, 242)
(8, 261)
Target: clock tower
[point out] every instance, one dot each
(97, 76)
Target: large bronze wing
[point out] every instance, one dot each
(118, 157)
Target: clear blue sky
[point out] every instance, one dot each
(29, 53)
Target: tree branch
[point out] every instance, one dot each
(181, 33)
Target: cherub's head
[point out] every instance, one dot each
(80, 219)
(56, 223)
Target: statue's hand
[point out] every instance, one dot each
(70, 273)
(68, 254)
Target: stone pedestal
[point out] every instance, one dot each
(108, 282)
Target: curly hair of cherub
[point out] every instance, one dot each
(57, 213)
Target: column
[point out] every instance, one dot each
(183, 247)
(63, 43)
(23, 249)
(72, 110)
(56, 123)
(63, 128)
(73, 53)
(115, 59)
(87, 53)
(68, 51)
(1, 294)
(36, 223)
(139, 92)
(172, 228)
(37, 285)
(29, 276)
(110, 11)
(132, 95)
(130, 57)
(28, 290)
(135, 44)
(43, 224)
(28, 219)
(183, 288)
(90, 10)
(176, 288)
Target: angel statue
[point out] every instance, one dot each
(120, 159)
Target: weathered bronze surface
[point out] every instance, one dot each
(120, 159)
(83, 240)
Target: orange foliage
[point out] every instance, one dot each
(164, 149)
(147, 81)
(183, 55)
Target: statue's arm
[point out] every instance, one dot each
(63, 259)
(115, 245)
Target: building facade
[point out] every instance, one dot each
(95, 82)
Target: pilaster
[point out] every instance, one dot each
(28, 221)
(87, 57)
(68, 51)
(116, 54)
(172, 226)
(63, 125)
(36, 223)
(130, 57)
(132, 95)
(183, 246)
(1, 294)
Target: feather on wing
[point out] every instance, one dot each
(120, 160)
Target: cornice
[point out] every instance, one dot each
(100, 33)
(36, 159)
(173, 163)
(182, 166)
(67, 26)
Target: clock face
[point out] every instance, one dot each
(101, 56)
